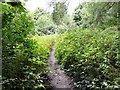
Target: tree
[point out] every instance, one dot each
(59, 12)
(39, 12)
(96, 14)
(43, 22)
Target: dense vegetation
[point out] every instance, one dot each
(43, 22)
(97, 15)
(91, 54)
(91, 57)
(24, 56)
(87, 45)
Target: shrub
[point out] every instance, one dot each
(91, 57)
(24, 57)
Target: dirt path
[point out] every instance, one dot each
(58, 78)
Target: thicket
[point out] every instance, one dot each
(91, 53)
(24, 56)
(91, 57)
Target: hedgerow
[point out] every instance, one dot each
(91, 57)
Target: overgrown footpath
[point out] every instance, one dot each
(57, 77)
(91, 57)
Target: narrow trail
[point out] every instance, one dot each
(58, 78)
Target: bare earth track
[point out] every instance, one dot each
(58, 78)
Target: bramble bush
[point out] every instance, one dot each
(91, 57)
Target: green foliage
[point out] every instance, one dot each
(39, 12)
(97, 14)
(24, 57)
(91, 57)
(67, 24)
(60, 10)
(61, 18)
(43, 23)
(45, 41)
